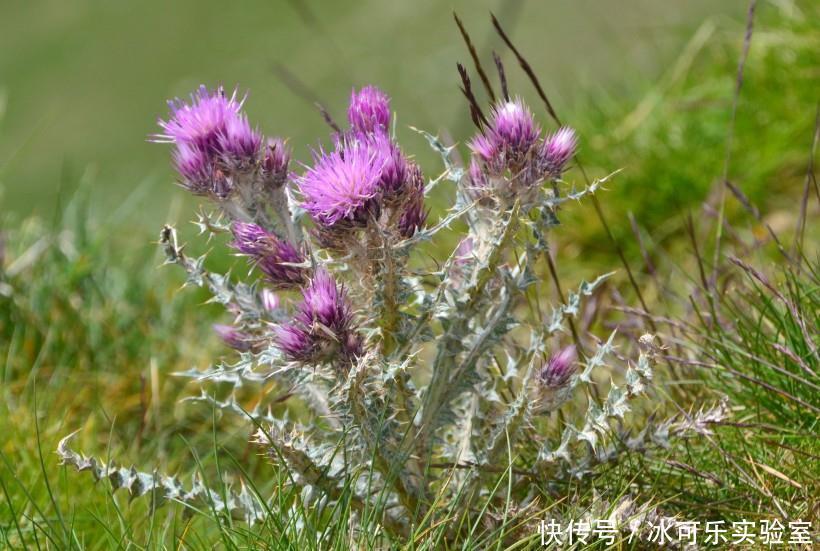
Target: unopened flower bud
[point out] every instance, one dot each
(195, 169)
(395, 172)
(553, 388)
(369, 110)
(557, 150)
(275, 163)
(239, 144)
(413, 215)
(232, 337)
(559, 369)
(507, 142)
(275, 257)
(322, 329)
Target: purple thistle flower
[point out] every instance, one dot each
(211, 134)
(514, 127)
(393, 164)
(559, 369)
(387, 154)
(295, 342)
(343, 185)
(321, 330)
(239, 144)
(232, 337)
(506, 142)
(275, 257)
(275, 163)
(325, 302)
(201, 122)
(413, 216)
(195, 167)
(557, 150)
(369, 110)
(485, 147)
(249, 239)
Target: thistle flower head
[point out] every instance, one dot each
(557, 150)
(275, 257)
(343, 185)
(325, 302)
(484, 147)
(558, 370)
(232, 337)
(239, 144)
(506, 142)
(275, 162)
(322, 328)
(201, 122)
(413, 215)
(195, 167)
(295, 342)
(211, 134)
(514, 127)
(369, 110)
(249, 239)
(394, 170)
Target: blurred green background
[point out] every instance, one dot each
(82, 82)
(88, 320)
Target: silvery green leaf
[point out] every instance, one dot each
(574, 195)
(163, 488)
(546, 455)
(453, 172)
(587, 289)
(616, 404)
(556, 322)
(597, 360)
(634, 382)
(257, 415)
(206, 222)
(588, 434)
(573, 302)
(660, 435)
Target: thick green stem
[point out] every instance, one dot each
(452, 342)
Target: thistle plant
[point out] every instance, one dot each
(411, 368)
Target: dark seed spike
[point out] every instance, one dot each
(598, 210)
(502, 77)
(474, 54)
(527, 69)
(473, 115)
(475, 111)
(328, 119)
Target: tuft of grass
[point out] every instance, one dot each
(672, 143)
